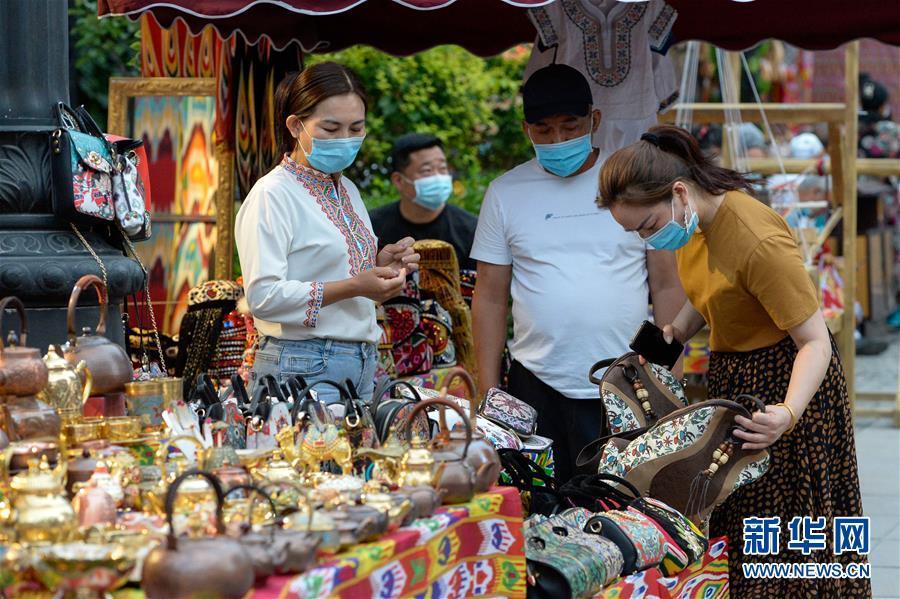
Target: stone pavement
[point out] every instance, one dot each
(878, 454)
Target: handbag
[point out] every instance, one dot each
(387, 412)
(635, 535)
(438, 327)
(681, 530)
(562, 562)
(82, 168)
(690, 459)
(129, 187)
(538, 491)
(269, 412)
(634, 397)
(509, 412)
(409, 344)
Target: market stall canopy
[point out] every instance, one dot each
(487, 27)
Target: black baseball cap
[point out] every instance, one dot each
(556, 89)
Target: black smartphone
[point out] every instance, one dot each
(649, 342)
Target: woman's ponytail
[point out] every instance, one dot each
(644, 172)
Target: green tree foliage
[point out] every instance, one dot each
(100, 49)
(472, 104)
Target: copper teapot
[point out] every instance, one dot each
(482, 456)
(110, 366)
(265, 554)
(204, 567)
(68, 386)
(93, 504)
(453, 473)
(22, 372)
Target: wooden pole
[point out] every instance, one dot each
(847, 143)
(733, 60)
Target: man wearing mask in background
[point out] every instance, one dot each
(420, 174)
(579, 282)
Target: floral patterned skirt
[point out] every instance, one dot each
(813, 473)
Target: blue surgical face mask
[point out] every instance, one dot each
(332, 155)
(564, 158)
(433, 192)
(673, 236)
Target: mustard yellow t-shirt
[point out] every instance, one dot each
(746, 276)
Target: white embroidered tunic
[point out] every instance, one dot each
(295, 232)
(611, 43)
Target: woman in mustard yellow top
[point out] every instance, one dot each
(745, 278)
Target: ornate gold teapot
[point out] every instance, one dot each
(68, 386)
(21, 370)
(40, 510)
(193, 491)
(417, 466)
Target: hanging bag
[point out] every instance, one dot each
(395, 409)
(82, 168)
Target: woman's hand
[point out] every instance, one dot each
(380, 283)
(399, 255)
(765, 428)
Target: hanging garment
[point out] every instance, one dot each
(618, 46)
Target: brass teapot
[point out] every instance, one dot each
(194, 491)
(110, 366)
(68, 386)
(40, 510)
(21, 370)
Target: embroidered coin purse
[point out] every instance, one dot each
(509, 412)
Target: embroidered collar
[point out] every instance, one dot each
(305, 172)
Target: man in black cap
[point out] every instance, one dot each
(579, 282)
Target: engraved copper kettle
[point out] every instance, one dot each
(22, 372)
(109, 364)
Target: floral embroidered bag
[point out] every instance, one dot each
(690, 460)
(509, 412)
(634, 397)
(409, 344)
(638, 539)
(82, 168)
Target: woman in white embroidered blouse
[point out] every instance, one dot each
(308, 256)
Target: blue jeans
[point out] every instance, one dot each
(316, 360)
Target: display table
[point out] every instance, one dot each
(471, 549)
(707, 579)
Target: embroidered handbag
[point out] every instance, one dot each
(438, 327)
(395, 410)
(684, 532)
(386, 369)
(540, 450)
(537, 489)
(690, 459)
(635, 535)
(409, 344)
(82, 170)
(130, 186)
(562, 562)
(634, 396)
(509, 412)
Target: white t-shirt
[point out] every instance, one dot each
(579, 280)
(295, 232)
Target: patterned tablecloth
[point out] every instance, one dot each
(471, 549)
(704, 579)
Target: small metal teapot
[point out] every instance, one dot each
(21, 370)
(109, 364)
(68, 386)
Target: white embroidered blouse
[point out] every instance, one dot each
(296, 231)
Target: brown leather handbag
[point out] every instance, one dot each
(22, 371)
(206, 567)
(690, 459)
(634, 397)
(109, 364)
